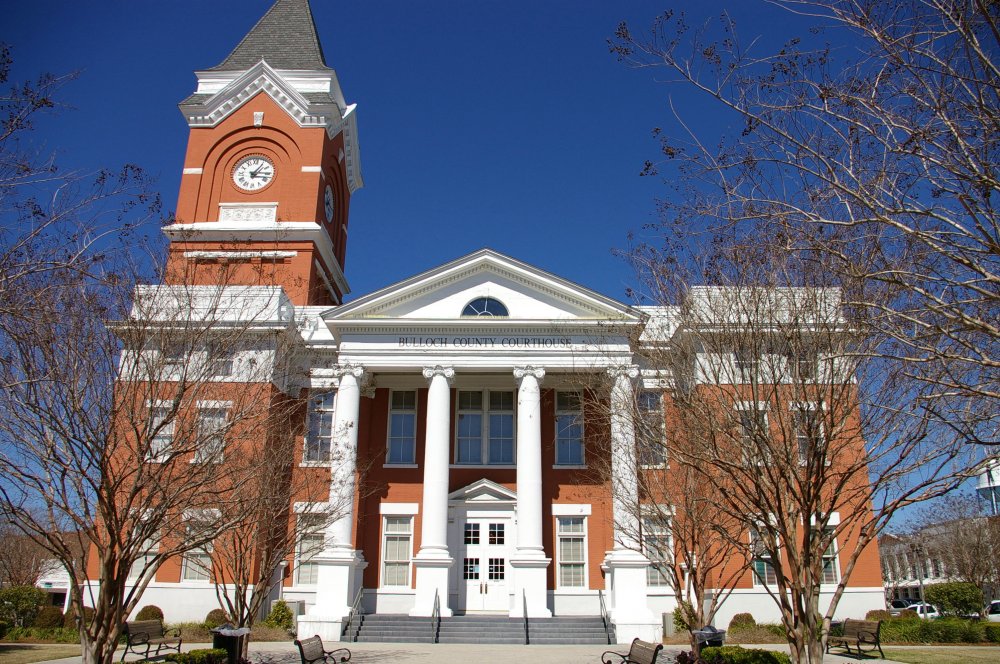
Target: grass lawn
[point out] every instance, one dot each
(25, 653)
(949, 655)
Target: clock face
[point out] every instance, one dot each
(253, 173)
(328, 203)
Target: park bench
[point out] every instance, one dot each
(860, 633)
(640, 652)
(149, 633)
(311, 650)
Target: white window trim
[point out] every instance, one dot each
(583, 432)
(663, 429)
(661, 509)
(164, 455)
(388, 428)
(776, 565)
(399, 509)
(586, 554)
(307, 510)
(382, 542)
(485, 429)
(202, 406)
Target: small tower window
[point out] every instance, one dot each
(485, 306)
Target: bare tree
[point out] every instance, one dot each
(873, 142)
(22, 561)
(963, 539)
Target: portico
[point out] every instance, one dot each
(501, 441)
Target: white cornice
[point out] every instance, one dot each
(280, 231)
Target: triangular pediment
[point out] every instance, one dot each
(483, 492)
(441, 294)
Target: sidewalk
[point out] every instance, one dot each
(278, 652)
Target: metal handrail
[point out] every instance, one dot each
(604, 616)
(352, 614)
(524, 597)
(436, 618)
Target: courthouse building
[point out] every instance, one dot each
(459, 391)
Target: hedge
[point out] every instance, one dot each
(204, 656)
(738, 655)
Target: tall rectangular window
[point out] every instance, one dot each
(485, 428)
(173, 359)
(831, 568)
(755, 437)
(569, 429)
(197, 563)
(397, 537)
(402, 427)
(803, 365)
(747, 364)
(764, 572)
(651, 430)
(319, 439)
(149, 549)
(220, 360)
(807, 427)
(656, 544)
(161, 434)
(310, 544)
(211, 435)
(572, 548)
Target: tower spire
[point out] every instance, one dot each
(285, 37)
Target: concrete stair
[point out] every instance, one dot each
(388, 628)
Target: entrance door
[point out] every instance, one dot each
(484, 564)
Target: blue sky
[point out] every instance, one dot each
(482, 124)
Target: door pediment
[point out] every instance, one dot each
(483, 492)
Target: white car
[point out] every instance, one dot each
(925, 611)
(993, 611)
(897, 606)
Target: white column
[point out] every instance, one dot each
(433, 562)
(626, 564)
(529, 562)
(340, 565)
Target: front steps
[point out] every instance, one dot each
(388, 628)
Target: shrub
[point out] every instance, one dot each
(49, 616)
(203, 656)
(215, 618)
(3, 629)
(991, 632)
(150, 612)
(741, 620)
(20, 604)
(70, 619)
(955, 598)
(907, 614)
(878, 614)
(738, 655)
(280, 616)
(193, 632)
(43, 635)
(681, 613)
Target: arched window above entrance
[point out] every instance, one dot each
(485, 306)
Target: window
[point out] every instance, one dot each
(657, 547)
(572, 550)
(831, 572)
(149, 549)
(161, 434)
(763, 566)
(485, 429)
(651, 430)
(747, 364)
(402, 427)
(220, 360)
(197, 563)
(569, 429)
(808, 430)
(211, 435)
(172, 359)
(310, 544)
(319, 439)
(754, 435)
(803, 365)
(485, 306)
(396, 548)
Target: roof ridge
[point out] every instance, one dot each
(285, 37)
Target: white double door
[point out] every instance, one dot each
(485, 563)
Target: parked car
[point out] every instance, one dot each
(993, 611)
(925, 611)
(897, 606)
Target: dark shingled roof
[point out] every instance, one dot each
(285, 38)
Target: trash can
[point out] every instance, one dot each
(710, 636)
(231, 639)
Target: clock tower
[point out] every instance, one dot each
(271, 164)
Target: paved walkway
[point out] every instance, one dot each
(265, 652)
